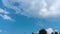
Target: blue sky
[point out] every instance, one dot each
(21, 17)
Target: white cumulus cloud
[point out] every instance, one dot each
(34, 8)
(53, 10)
(49, 30)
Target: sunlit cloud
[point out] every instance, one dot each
(49, 30)
(53, 10)
(34, 8)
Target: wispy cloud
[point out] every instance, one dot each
(3, 11)
(26, 7)
(5, 15)
(2, 30)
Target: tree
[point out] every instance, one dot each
(56, 32)
(42, 31)
(32, 33)
(59, 32)
(52, 33)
